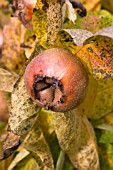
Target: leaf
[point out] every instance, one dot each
(28, 164)
(79, 35)
(108, 119)
(23, 112)
(67, 164)
(19, 157)
(77, 139)
(108, 31)
(105, 127)
(45, 122)
(97, 55)
(99, 98)
(7, 80)
(36, 143)
(11, 143)
(25, 162)
(60, 161)
(64, 40)
(106, 156)
(68, 11)
(101, 47)
(105, 122)
(104, 136)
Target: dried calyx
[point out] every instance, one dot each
(56, 80)
(48, 91)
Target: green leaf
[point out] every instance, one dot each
(104, 136)
(106, 156)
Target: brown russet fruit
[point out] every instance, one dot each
(56, 80)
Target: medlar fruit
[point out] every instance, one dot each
(56, 80)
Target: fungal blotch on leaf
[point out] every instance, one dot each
(56, 80)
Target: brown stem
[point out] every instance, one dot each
(54, 20)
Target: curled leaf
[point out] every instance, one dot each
(68, 11)
(36, 143)
(19, 157)
(23, 112)
(108, 31)
(60, 161)
(79, 35)
(76, 138)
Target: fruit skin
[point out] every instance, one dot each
(62, 67)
